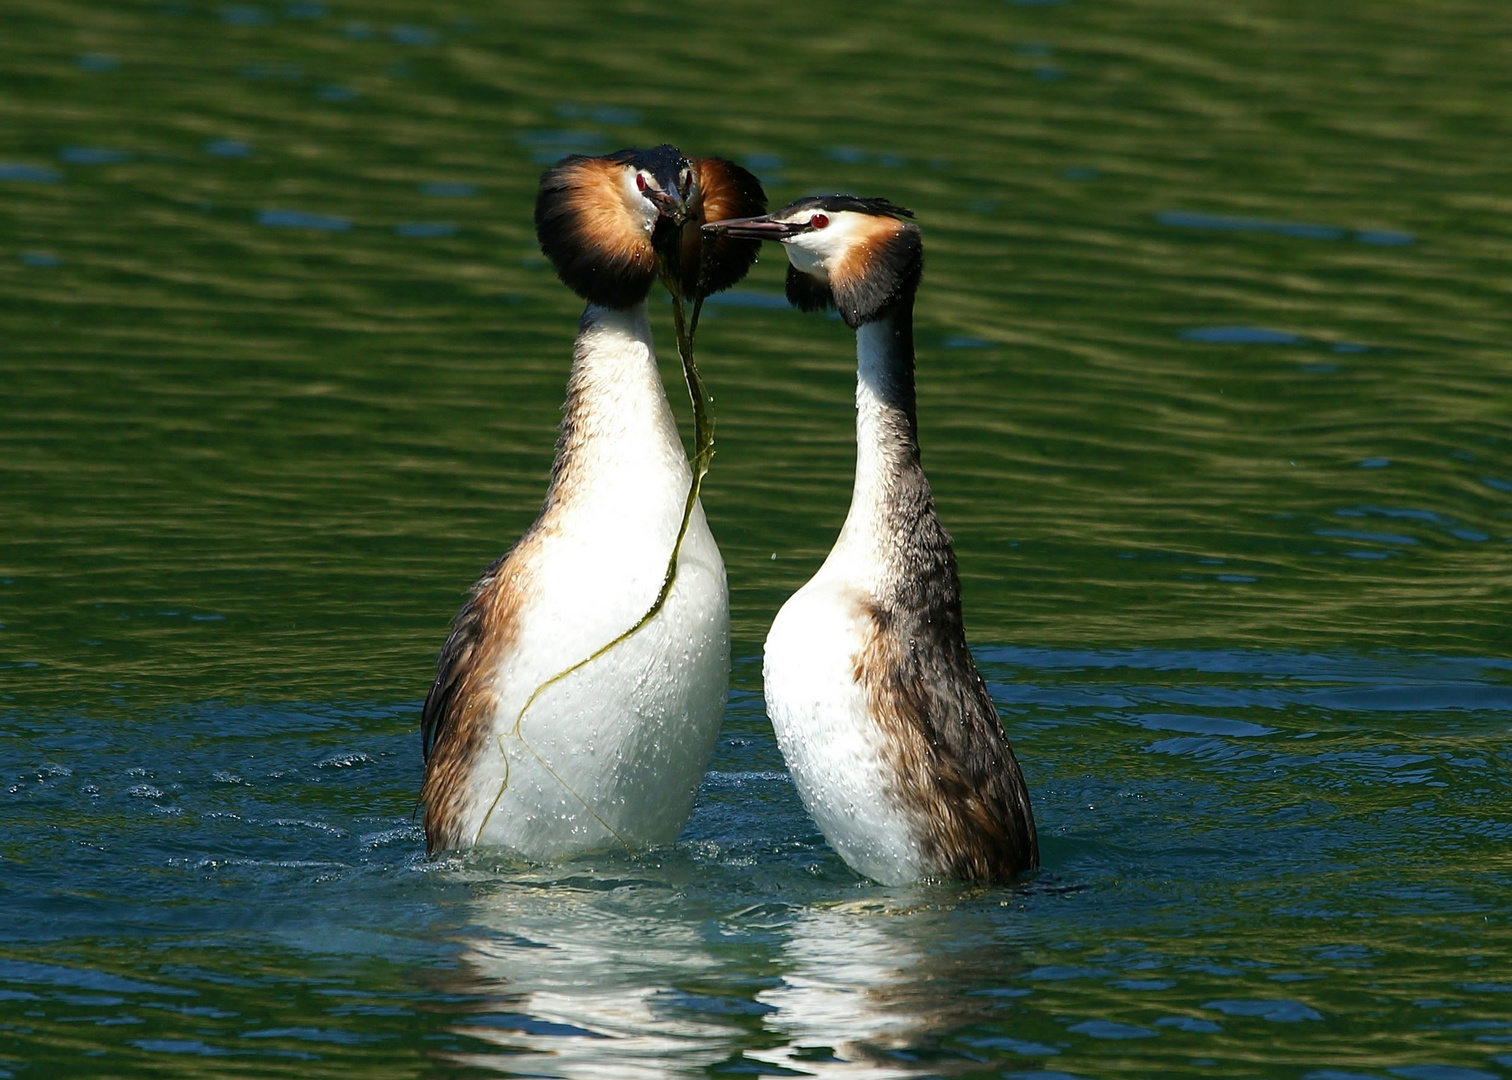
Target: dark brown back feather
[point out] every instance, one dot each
(957, 771)
(958, 775)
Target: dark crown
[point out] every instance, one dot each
(837, 203)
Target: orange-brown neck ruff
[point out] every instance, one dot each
(876, 276)
(725, 190)
(880, 273)
(868, 254)
(591, 233)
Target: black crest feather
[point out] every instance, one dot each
(834, 204)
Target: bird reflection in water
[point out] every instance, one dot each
(593, 977)
(590, 977)
(870, 990)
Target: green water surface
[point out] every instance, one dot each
(1214, 396)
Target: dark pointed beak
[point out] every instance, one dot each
(756, 228)
(669, 205)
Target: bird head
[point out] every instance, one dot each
(700, 262)
(598, 220)
(860, 256)
(611, 225)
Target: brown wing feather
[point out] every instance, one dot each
(458, 714)
(958, 776)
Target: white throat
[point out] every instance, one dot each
(874, 436)
(622, 444)
(807, 261)
(861, 548)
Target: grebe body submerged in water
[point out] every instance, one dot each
(528, 747)
(887, 728)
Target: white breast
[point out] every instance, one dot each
(614, 751)
(833, 747)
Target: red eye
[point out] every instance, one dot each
(640, 181)
(819, 221)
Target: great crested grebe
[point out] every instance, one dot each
(527, 746)
(887, 728)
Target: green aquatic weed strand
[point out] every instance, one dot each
(703, 454)
(703, 422)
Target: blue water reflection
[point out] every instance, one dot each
(92, 155)
(302, 219)
(228, 148)
(1240, 335)
(29, 174)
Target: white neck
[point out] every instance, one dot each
(886, 447)
(620, 443)
(876, 416)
